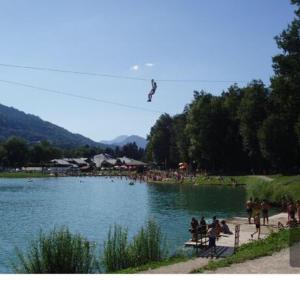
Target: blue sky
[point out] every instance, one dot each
(170, 39)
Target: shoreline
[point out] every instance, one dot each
(273, 188)
(194, 264)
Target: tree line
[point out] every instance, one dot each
(16, 152)
(245, 129)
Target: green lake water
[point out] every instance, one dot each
(90, 205)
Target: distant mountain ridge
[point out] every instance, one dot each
(115, 140)
(124, 139)
(33, 129)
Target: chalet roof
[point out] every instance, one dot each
(131, 162)
(61, 162)
(100, 158)
(78, 161)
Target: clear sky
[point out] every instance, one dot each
(163, 39)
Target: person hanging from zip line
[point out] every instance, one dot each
(152, 92)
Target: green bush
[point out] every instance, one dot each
(147, 246)
(57, 252)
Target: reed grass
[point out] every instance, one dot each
(59, 251)
(116, 254)
(147, 246)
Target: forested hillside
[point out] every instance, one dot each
(33, 129)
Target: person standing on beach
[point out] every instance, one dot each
(257, 225)
(265, 211)
(212, 236)
(202, 224)
(194, 229)
(256, 206)
(291, 210)
(298, 209)
(249, 209)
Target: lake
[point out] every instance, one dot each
(91, 205)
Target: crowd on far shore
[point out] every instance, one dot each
(178, 176)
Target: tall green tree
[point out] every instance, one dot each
(284, 100)
(16, 152)
(131, 150)
(251, 113)
(277, 152)
(206, 126)
(160, 142)
(180, 138)
(236, 157)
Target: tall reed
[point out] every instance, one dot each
(147, 246)
(116, 254)
(60, 251)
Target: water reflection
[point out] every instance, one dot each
(208, 199)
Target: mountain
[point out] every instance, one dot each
(118, 139)
(33, 129)
(123, 139)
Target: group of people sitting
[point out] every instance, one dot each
(293, 211)
(212, 231)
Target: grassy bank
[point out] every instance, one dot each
(272, 188)
(277, 188)
(17, 175)
(153, 265)
(256, 249)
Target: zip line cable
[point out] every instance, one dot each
(117, 76)
(48, 91)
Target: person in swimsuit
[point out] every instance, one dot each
(298, 209)
(194, 229)
(212, 236)
(291, 210)
(225, 227)
(257, 225)
(249, 209)
(265, 211)
(203, 228)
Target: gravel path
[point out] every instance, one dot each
(277, 263)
